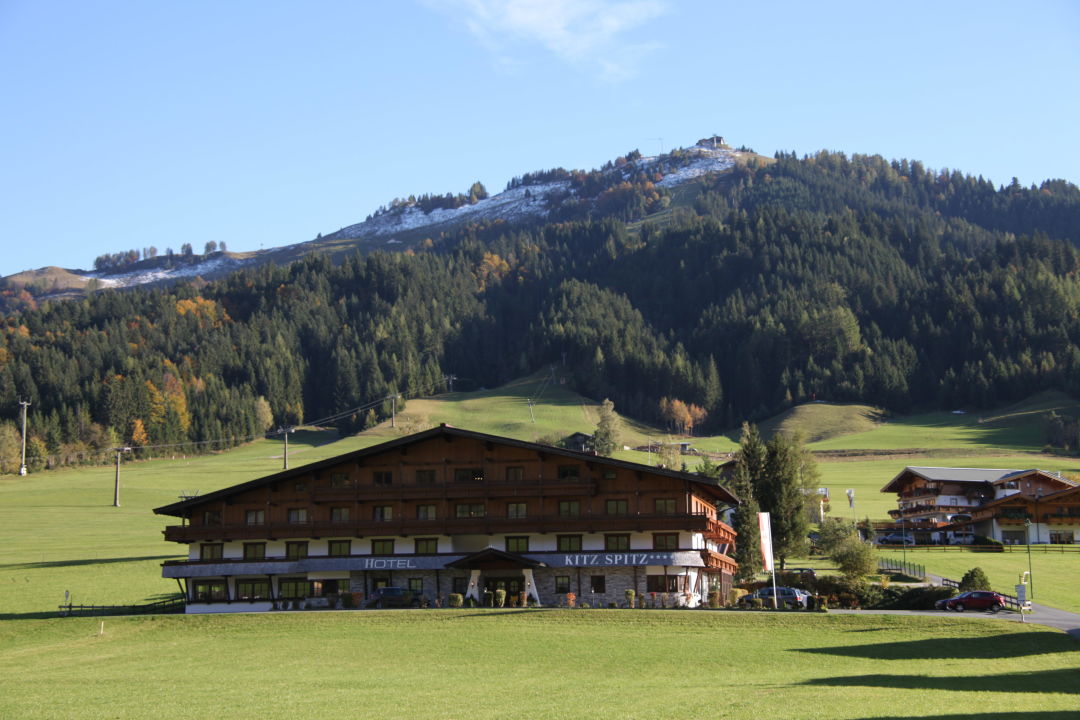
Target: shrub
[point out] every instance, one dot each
(456, 600)
(585, 606)
(714, 599)
(735, 594)
(630, 593)
(756, 603)
(855, 558)
(847, 600)
(920, 598)
(981, 543)
(523, 598)
(571, 600)
(347, 602)
(489, 598)
(974, 579)
(500, 598)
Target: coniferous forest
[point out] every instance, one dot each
(826, 277)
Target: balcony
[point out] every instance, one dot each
(526, 488)
(488, 525)
(718, 561)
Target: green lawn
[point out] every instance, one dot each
(536, 664)
(1056, 575)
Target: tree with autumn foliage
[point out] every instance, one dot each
(683, 416)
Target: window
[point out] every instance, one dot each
(515, 474)
(665, 541)
(297, 516)
(255, 551)
(292, 588)
(569, 472)
(383, 477)
(416, 586)
(469, 510)
(210, 551)
(427, 546)
(339, 515)
(382, 547)
(339, 480)
(300, 486)
(562, 584)
(616, 507)
(252, 589)
(425, 512)
(339, 548)
(517, 544)
(211, 517)
(515, 510)
(616, 542)
(662, 583)
(664, 506)
(382, 513)
(380, 582)
(209, 591)
(255, 517)
(296, 549)
(598, 583)
(569, 508)
(425, 477)
(469, 475)
(460, 585)
(569, 543)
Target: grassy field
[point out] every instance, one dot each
(537, 664)
(1056, 576)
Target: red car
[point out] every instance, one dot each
(974, 600)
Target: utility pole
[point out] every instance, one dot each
(529, 400)
(22, 466)
(116, 486)
(285, 433)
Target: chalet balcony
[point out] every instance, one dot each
(930, 508)
(488, 525)
(718, 561)
(527, 487)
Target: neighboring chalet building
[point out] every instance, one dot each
(952, 505)
(454, 511)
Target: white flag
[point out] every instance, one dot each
(764, 521)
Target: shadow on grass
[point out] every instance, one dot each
(1046, 681)
(499, 612)
(1044, 715)
(87, 561)
(30, 616)
(994, 646)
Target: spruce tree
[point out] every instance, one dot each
(782, 496)
(606, 438)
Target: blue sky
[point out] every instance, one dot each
(134, 123)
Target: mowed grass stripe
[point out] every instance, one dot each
(539, 664)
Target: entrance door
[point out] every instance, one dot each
(512, 585)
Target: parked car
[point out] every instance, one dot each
(973, 600)
(896, 539)
(785, 597)
(392, 597)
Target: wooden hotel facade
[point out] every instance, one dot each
(453, 511)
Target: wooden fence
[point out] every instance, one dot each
(161, 607)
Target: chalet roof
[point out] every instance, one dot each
(956, 475)
(706, 485)
(493, 556)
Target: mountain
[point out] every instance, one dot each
(700, 288)
(536, 197)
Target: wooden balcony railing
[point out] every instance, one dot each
(455, 526)
(526, 488)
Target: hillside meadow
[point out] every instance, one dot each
(537, 664)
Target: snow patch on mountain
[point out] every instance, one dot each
(214, 265)
(529, 202)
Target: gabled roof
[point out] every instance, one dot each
(956, 475)
(706, 485)
(493, 555)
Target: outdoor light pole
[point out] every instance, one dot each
(116, 486)
(1031, 575)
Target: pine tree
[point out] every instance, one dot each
(606, 438)
(782, 497)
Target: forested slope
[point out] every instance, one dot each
(832, 278)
